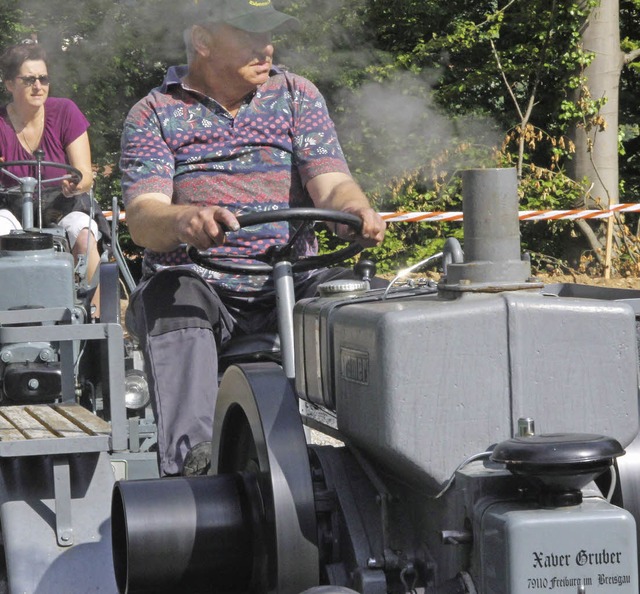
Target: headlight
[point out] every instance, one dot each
(136, 390)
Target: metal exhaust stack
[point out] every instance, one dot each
(492, 260)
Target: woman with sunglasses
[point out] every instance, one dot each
(33, 121)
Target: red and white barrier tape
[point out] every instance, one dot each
(524, 215)
(109, 215)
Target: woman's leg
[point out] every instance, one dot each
(8, 222)
(87, 245)
(83, 236)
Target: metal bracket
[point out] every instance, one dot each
(62, 490)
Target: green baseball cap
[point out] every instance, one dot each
(255, 16)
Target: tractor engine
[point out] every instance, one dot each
(482, 422)
(35, 278)
(454, 384)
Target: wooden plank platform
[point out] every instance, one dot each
(30, 429)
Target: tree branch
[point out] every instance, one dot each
(631, 56)
(524, 118)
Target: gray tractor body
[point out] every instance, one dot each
(487, 441)
(64, 426)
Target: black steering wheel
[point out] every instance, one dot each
(267, 261)
(72, 174)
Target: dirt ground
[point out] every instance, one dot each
(618, 282)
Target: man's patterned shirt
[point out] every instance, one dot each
(185, 145)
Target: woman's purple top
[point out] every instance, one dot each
(64, 123)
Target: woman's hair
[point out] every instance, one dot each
(16, 55)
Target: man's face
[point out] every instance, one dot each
(240, 56)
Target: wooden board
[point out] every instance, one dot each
(29, 427)
(84, 419)
(8, 432)
(43, 421)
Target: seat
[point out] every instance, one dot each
(263, 346)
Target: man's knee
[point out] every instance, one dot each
(173, 300)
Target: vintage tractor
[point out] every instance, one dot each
(72, 406)
(482, 425)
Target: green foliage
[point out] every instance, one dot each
(10, 25)
(629, 93)
(435, 187)
(448, 91)
(409, 243)
(419, 89)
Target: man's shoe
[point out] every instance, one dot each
(197, 462)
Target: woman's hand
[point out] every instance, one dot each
(79, 156)
(70, 188)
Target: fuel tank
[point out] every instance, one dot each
(33, 274)
(420, 381)
(423, 382)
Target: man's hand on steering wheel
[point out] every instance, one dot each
(264, 263)
(205, 227)
(373, 227)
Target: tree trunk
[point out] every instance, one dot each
(596, 157)
(596, 140)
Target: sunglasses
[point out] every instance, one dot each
(29, 81)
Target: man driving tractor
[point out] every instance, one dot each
(230, 133)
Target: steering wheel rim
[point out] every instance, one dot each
(74, 174)
(307, 215)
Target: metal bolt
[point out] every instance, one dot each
(526, 427)
(6, 356)
(45, 354)
(33, 384)
(66, 538)
(456, 537)
(372, 563)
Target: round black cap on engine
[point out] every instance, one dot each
(27, 241)
(558, 462)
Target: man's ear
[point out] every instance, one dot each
(200, 39)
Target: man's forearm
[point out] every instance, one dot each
(157, 224)
(344, 195)
(152, 222)
(338, 191)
